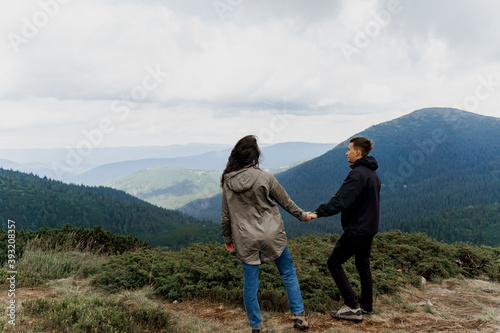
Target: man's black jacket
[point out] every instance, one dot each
(358, 199)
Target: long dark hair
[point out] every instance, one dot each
(245, 153)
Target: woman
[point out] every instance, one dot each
(252, 226)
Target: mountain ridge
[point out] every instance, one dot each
(273, 156)
(430, 160)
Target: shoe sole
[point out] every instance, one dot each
(301, 328)
(356, 320)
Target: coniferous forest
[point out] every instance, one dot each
(434, 165)
(34, 203)
(437, 177)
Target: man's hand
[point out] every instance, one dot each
(310, 216)
(230, 246)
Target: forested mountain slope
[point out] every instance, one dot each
(33, 203)
(430, 161)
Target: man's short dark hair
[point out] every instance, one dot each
(363, 144)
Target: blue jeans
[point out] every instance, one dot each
(251, 286)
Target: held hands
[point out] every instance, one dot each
(230, 246)
(311, 216)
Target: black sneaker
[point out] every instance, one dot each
(300, 322)
(366, 312)
(347, 313)
(259, 330)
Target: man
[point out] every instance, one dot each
(358, 201)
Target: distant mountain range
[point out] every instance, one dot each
(169, 187)
(34, 202)
(273, 156)
(174, 187)
(431, 161)
(106, 155)
(41, 161)
(105, 164)
(439, 169)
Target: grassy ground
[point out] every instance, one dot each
(69, 305)
(56, 292)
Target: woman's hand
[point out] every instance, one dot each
(230, 246)
(311, 216)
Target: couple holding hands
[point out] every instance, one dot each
(253, 228)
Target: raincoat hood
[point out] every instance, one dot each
(242, 180)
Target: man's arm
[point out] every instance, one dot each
(345, 196)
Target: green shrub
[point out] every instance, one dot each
(418, 255)
(68, 238)
(210, 272)
(40, 264)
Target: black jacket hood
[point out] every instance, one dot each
(368, 161)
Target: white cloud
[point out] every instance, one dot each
(228, 78)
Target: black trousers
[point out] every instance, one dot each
(360, 247)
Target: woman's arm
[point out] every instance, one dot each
(279, 194)
(226, 221)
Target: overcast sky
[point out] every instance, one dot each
(130, 73)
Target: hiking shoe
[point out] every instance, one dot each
(347, 313)
(300, 322)
(366, 312)
(259, 330)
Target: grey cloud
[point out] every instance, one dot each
(249, 12)
(470, 28)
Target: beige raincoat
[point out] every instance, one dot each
(250, 216)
